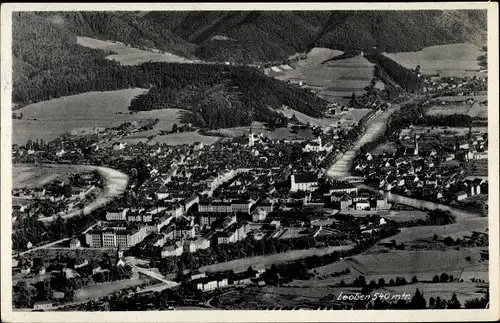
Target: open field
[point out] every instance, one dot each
(473, 110)
(448, 60)
(459, 229)
(49, 119)
(424, 264)
(127, 55)
(27, 175)
(401, 216)
(333, 80)
(101, 290)
(464, 291)
(459, 98)
(267, 260)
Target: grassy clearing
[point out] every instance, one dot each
(423, 264)
(35, 176)
(127, 55)
(267, 260)
(448, 60)
(473, 110)
(401, 216)
(459, 229)
(333, 80)
(101, 290)
(83, 112)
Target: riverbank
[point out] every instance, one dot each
(116, 183)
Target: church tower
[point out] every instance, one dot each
(251, 139)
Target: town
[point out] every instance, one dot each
(260, 182)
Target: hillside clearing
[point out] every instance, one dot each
(447, 60)
(48, 120)
(333, 81)
(127, 55)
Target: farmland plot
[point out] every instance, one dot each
(448, 60)
(84, 112)
(334, 80)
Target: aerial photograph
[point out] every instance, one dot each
(249, 160)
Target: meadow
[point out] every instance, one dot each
(48, 120)
(267, 260)
(333, 81)
(455, 230)
(34, 176)
(473, 110)
(100, 290)
(447, 60)
(127, 55)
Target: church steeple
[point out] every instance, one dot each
(251, 139)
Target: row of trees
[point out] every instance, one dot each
(26, 295)
(406, 78)
(29, 229)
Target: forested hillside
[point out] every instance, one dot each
(49, 64)
(262, 36)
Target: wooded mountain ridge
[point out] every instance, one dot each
(261, 36)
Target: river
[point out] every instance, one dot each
(116, 183)
(340, 169)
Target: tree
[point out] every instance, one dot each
(414, 280)
(453, 303)
(435, 238)
(435, 279)
(440, 303)
(432, 302)
(444, 277)
(381, 282)
(175, 128)
(24, 296)
(418, 301)
(477, 303)
(353, 102)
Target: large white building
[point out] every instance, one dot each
(307, 182)
(113, 237)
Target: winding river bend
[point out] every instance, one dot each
(341, 169)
